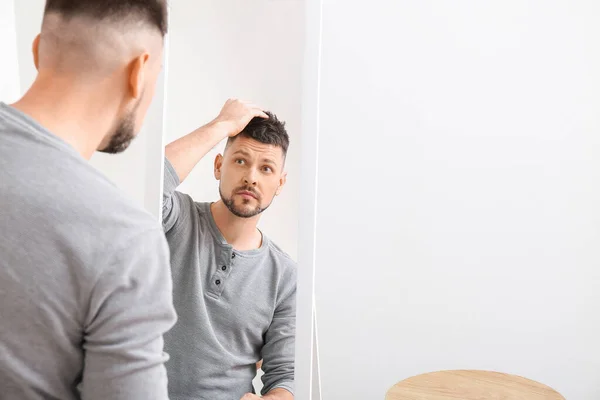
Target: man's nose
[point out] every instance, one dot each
(250, 178)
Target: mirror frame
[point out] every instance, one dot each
(306, 368)
(305, 356)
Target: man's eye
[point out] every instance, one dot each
(239, 161)
(267, 169)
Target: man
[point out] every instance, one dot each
(85, 285)
(234, 289)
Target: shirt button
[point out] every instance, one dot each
(233, 255)
(224, 267)
(218, 281)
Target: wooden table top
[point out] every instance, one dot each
(470, 385)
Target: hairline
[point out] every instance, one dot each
(123, 24)
(232, 139)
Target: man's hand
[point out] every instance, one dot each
(275, 394)
(185, 152)
(236, 114)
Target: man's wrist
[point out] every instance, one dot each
(220, 129)
(278, 394)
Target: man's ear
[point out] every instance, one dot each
(137, 75)
(35, 49)
(218, 165)
(282, 181)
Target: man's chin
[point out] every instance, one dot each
(244, 210)
(117, 145)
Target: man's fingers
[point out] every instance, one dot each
(241, 107)
(260, 113)
(256, 111)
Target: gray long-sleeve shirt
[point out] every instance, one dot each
(234, 307)
(85, 285)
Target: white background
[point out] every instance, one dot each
(9, 68)
(459, 193)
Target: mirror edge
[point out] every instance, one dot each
(308, 202)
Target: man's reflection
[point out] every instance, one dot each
(234, 289)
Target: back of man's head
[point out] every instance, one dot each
(151, 12)
(105, 55)
(88, 36)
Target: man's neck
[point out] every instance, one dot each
(70, 112)
(241, 233)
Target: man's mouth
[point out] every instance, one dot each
(247, 194)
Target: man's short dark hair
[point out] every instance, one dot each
(268, 131)
(153, 12)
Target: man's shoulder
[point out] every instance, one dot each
(94, 207)
(113, 231)
(287, 271)
(51, 190)
(282, 258)
(203, 207)
(103, 199)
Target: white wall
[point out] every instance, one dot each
(250, 50)
(9, 67)
(127, 170)
(28, 22)
(459, 193)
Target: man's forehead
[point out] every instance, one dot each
(252, 148)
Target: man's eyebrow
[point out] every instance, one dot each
(245, 153)
(242, 152)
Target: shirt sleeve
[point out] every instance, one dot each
(130, 309)
(279, 348)
(173, 201)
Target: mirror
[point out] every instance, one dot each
(234, 271)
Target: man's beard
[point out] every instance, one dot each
(239, 212)
(123, 134)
